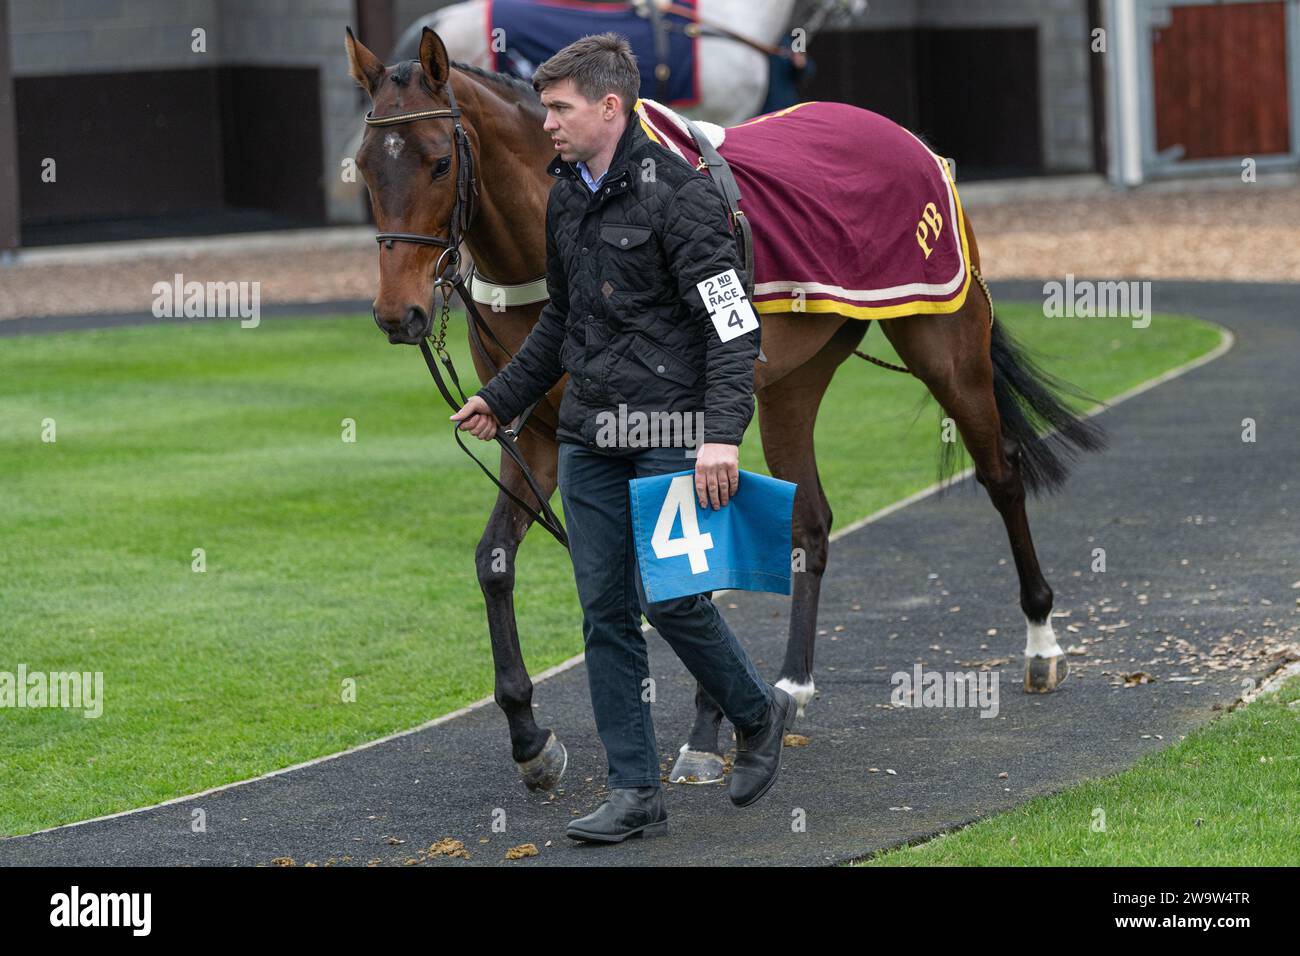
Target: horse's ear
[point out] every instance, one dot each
(366, 68)
(433, 57)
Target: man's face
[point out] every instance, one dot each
(579, 127)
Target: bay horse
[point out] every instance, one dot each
(978, 374)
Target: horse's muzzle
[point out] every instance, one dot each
(415, 326)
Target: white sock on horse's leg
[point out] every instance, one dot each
(1041, 639)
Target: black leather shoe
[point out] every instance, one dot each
(628, 811)
(758, 756)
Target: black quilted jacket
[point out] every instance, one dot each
(625, 318)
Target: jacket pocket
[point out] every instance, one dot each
(662, 364)
(624, 236)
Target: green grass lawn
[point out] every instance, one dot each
(326, 560)
(1225, 796)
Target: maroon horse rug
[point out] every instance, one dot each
(850, 212)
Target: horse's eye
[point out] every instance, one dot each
(441, 166)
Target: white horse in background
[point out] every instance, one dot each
(732, 75)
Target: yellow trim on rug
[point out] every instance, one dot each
(915, 307)
(768, 116)
(640, 115)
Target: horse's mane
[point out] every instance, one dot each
(507, 80)
(401, 75)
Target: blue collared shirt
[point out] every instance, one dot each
(593, 185)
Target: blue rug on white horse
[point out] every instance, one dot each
(534, 30)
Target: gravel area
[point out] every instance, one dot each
(1245, 233)
(1239, 234)
(294, 276)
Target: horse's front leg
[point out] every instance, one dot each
(540, 756)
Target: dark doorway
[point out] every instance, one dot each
(169, 152)
(972, 94)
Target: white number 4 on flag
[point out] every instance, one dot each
(724, 297)
(680, 500)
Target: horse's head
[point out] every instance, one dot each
(420, 183)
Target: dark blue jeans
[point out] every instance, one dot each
(598, 519)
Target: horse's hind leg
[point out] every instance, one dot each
(950, 354)
(699, 760)
(787, 412)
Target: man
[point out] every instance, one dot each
(630, 231)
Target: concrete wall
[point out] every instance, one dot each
(55, 37)
(1063, 65)
(1062, 52)
(100, 36)
(303, 33)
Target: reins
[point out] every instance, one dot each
(448, 264)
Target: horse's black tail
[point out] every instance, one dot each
(1028, 399)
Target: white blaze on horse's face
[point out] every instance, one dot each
(393, 144)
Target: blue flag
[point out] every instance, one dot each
(685, 549)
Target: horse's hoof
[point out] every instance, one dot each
(546, 769)
(1044, 674)
(694, 766)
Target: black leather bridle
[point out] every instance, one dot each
(446, 278)
(462, 212)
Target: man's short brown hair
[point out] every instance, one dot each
(598, 64)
